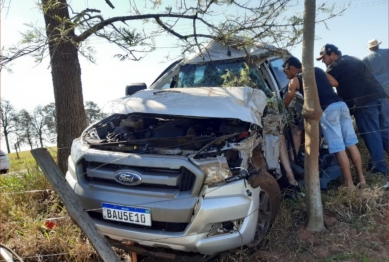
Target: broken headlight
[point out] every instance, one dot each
(216, 169)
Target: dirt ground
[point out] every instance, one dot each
(356, 229)
(339, 242)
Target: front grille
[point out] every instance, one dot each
(187, 180)
(184, 178)
(155, 225)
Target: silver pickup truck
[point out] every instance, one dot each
(189, 163)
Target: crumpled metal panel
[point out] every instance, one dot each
(274, 124)
(272, 150)
(244, 103)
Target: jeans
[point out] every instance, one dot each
(372, 123)
(337, 127)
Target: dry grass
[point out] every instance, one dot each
(356, 226)
(356, 229)
(27, 203)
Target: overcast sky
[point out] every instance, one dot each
(30, 85)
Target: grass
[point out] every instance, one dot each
(356, 224)
(27, 203)
(25, 159)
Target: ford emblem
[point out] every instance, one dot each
(128, 178)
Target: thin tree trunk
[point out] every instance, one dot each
(66, 76)
(312, 113)
(7, 141)
(41, 139)
(16, 149)
(30, 142)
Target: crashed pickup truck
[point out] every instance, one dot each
(189, 163)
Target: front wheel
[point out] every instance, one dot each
(269, 205)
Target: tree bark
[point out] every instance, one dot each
(41, 141)
(6, 140)
(16, 150)
(312, 113)
(66, 77)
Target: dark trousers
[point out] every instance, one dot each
(372, 123)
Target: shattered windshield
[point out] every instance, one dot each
(222, 73)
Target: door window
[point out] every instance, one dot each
(278, 72)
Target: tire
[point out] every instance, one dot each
(269, 204)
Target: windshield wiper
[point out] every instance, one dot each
(164, 91)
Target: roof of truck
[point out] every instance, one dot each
(215, 51)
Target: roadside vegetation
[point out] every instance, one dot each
(35, 224)
(26, 160)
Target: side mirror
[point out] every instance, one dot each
(135, 87)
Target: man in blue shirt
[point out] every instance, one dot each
(377, 60)
(366, 97)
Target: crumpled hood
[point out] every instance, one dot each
(242, 103)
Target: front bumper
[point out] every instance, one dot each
(228, 202)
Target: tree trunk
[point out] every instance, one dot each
(16, 150)
(41, 139)
(7, 141)
(29, 140)
(66, 76)
(312, 113)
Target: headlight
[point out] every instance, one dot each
(216, 169)
(77, 149)
(72, 167)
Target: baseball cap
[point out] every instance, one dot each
(327, 49)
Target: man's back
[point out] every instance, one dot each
(326, 93)
(377, 60)
(356, 82)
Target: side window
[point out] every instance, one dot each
(167, 85)
(170, 84)
(165, 81)
(278, 72)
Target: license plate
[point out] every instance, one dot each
(133, 215)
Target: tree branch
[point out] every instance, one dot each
(78, 16)
(109, 21)
(6, 59)
(110, 4)
(182, 37)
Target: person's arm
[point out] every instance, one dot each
(292, 87)
(332, 80)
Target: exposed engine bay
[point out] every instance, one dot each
(199, 138)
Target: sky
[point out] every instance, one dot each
(30, 85)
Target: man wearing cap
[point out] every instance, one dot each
(336, 121)
(365, 96)
(377, 60)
